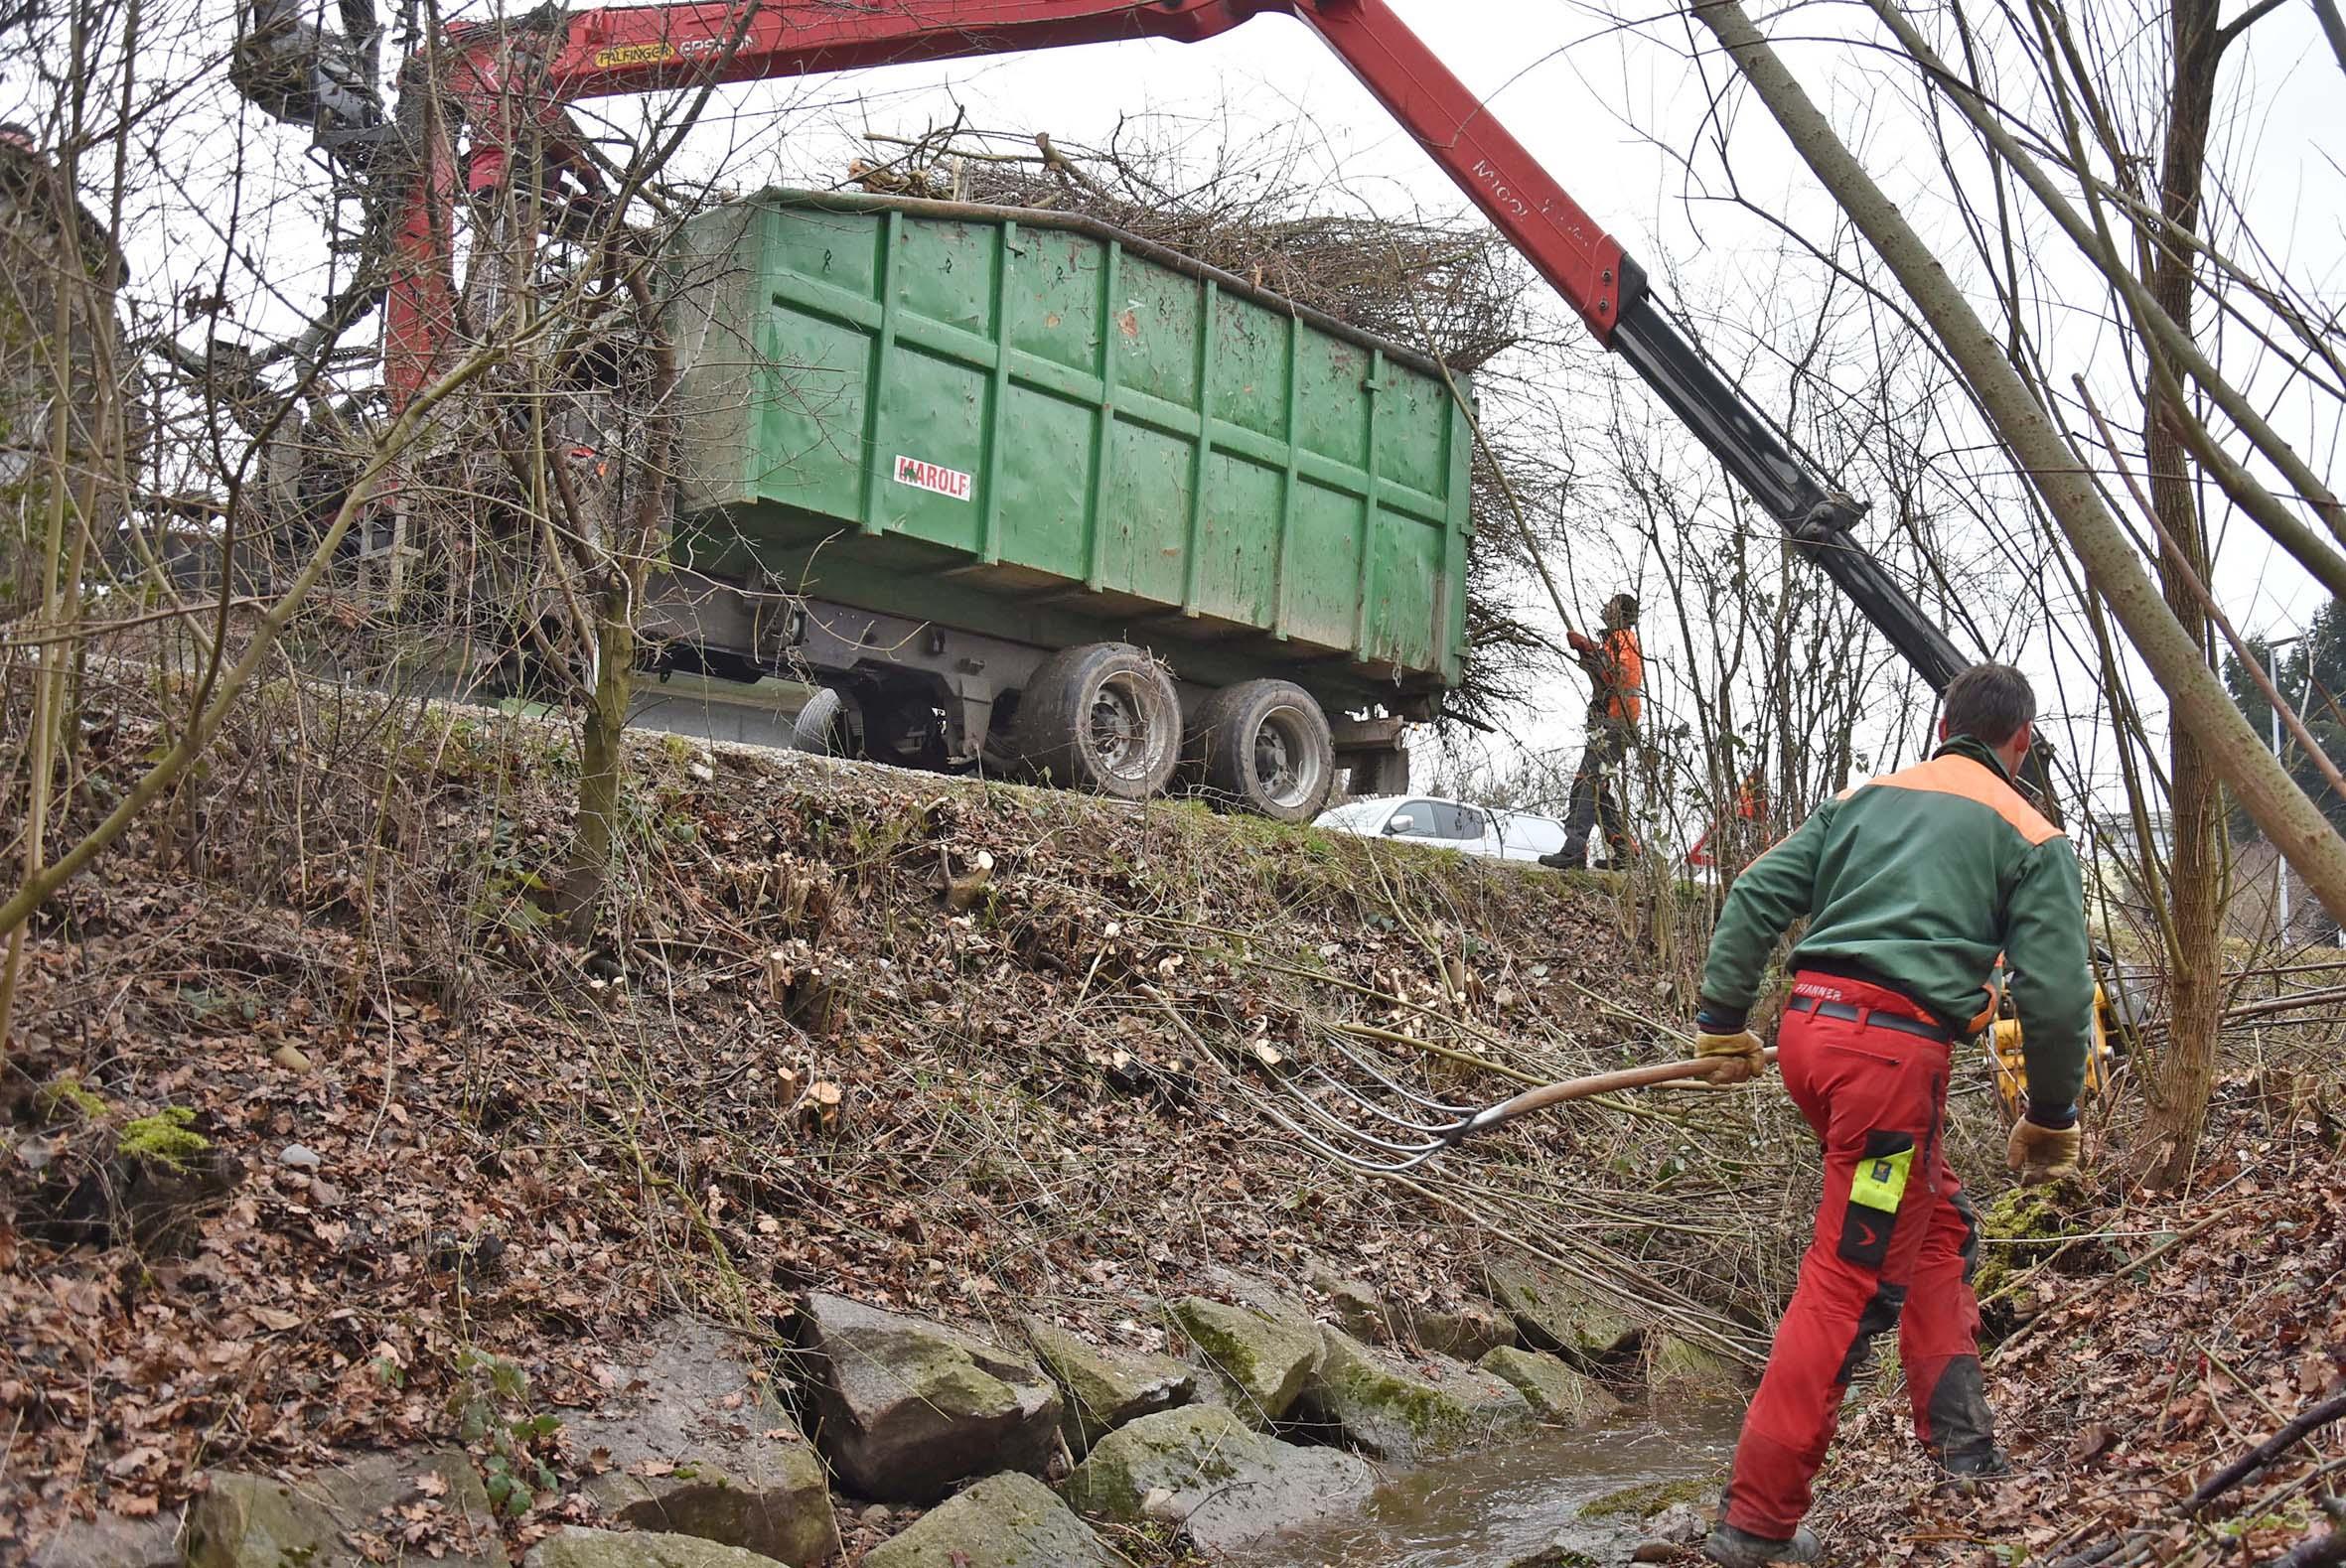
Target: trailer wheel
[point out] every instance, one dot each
(1263, 745)
(1100, 716)
(822, 726)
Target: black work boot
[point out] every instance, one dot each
(1970, 1470)
(1981, 1462)
(1572, 857)
(1742, 1549)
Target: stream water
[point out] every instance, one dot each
(1507, 1505)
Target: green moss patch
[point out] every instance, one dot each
(2019, 1231)
(66, 1096)
(167, 1138)
(1649, 1498)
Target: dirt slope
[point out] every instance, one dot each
(390, 1126)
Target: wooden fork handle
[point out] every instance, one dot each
(1599, 1084)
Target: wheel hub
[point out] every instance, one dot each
(1118, 731)
(1271, 768)
(1286, 767)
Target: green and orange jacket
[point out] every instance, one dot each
(1918, 880)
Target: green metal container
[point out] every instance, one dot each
(1032, 426)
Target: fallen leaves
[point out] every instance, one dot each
(2091, 1443)
(866, 1039)
(2137, 1380)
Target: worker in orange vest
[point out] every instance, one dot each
(1751, 806)
(1616, 668)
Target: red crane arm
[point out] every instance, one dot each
(500, 68)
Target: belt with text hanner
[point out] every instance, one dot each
(1871, 1017)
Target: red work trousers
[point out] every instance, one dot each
(1893, 1248)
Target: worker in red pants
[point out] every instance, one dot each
(1912, 884)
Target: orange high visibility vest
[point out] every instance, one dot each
(1625, 671)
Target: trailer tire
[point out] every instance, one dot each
(1100, 716)
(821, 727)
(1263, 746)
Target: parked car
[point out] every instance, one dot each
(1447, 824)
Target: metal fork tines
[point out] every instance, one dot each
(1374, 1147)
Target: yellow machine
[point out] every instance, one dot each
(2011, 1068)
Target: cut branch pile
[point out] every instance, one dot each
(1449, 287)
(1410, 278)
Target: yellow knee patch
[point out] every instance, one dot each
(1880, 1183)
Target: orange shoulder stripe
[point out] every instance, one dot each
(1970, 781)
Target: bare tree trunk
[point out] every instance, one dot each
(603, 763)
(2195, 984)
(631, 539)
(2195, 990)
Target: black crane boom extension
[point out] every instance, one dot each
(1816, 521)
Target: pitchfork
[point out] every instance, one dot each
(1406, 1139)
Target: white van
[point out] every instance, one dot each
(1447, 824)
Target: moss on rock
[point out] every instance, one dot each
(66, 1095)
(1558, 1316)
(1389, 1410)
(2018, 1230)
(167, 1138)
(1649, 1498)
(1558, 1394)
(1175, 1449)
(577, 1547)
(1226, 1482)
(1261, 1362)
(259, 1522)
(1680, 1369)
(1003, 1522)
(903, 1407)
(1102, 1389)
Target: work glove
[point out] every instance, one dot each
(1734, 1057)
(2041, 1154)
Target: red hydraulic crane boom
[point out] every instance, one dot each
(512, 80)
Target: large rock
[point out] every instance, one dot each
(573, 1547)
(1227, 1482)
(1563, 1318)
(1558, 1394)
(253, 1521)
(1003, 1522)
(112, 1541)
(1680, 1369)
(1102, 1389)
(1273, 1298)
(903, 1408)
(1464, 1334)
(1376, 1402)
(1353, 1304)
(1259, 1359)
(698, 1446)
